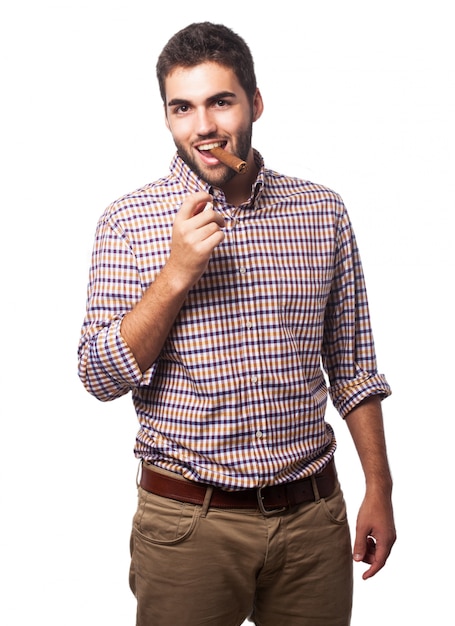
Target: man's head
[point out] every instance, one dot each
(206, 42)
(210, 98)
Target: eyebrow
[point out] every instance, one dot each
(218, 96)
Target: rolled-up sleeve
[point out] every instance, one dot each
(106, 365)
(348, 351)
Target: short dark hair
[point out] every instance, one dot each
(202, 42)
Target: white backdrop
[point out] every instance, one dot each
(359, 96)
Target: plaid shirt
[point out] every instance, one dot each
(237, 397)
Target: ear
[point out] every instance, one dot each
(258, 105)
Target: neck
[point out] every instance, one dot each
(238, 189)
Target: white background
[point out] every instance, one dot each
(358, 96)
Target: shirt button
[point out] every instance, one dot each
(259, 434)
(249, 325)
(254, 379)
(242, 270)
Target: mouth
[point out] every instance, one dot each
(204, 151)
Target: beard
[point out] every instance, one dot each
(221, 174)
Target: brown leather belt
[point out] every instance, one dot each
(277, 497)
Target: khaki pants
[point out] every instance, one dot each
(217, 567)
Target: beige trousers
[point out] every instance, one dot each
(201, 566)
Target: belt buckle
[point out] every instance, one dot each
(264, 511)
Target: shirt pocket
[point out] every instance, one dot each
(304, 292)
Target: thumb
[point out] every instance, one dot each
(364, 549)
(360, 546)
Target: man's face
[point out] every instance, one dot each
(206, 105)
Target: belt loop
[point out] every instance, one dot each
(314, 484)
(206, 503)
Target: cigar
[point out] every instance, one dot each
(229, 159)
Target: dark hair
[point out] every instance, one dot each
(204, 41)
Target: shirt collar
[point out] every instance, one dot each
(193, 182)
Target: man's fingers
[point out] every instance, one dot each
(373, 554)
(194, 204)
(199, 206)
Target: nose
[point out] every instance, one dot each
(205, 123)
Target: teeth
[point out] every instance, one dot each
(209, 146)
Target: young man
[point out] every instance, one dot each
(213, 297)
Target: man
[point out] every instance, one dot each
(213, 297)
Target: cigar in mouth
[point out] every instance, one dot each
(229, 159)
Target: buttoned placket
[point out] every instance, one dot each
(247, 317)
